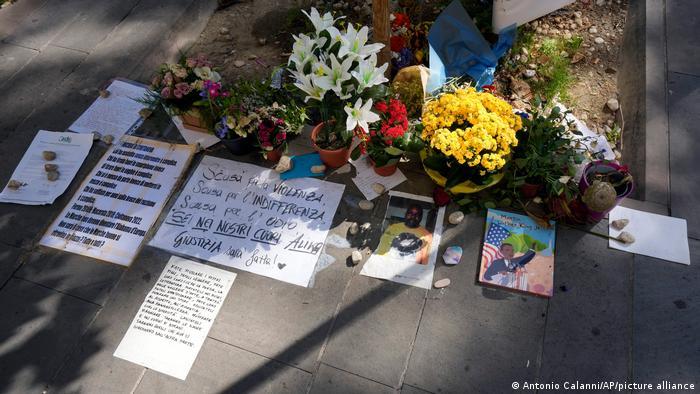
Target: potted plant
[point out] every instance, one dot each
(544, 163)
(275, 124)
(337, 73)
(178, 85)
(469, 137)
(603, 185)
(388, 139)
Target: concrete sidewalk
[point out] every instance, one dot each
(614, 316)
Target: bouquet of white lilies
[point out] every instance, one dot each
(337, 71)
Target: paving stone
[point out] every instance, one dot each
(222, 368)
(589, 320)
(333, 380)
(682, 19)
(12, 59)
(46, 22)
(374, 329)
(92, 368)
(472, 337)
(38, 330)
(9, 262)
(13, 17)
(667, 319)
(684, 115)
(73, 274)
(282, 321)
(93, 24)
(33, 85)
(408, 389)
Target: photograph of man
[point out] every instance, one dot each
(407, 239)
(508, 264)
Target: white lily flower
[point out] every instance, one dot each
(339, 73)
(368, 74)
(320, 23)
(360, 115)
(302, 49)
(564, 179)
(336, 35)
(306, 85)
(354, 43)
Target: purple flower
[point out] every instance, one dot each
(405, 58)
(221, 130)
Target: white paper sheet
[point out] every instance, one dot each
(119, 201)
(659, 236)
(366, 177)
(174, 319)
(71, 150)
(401, 266)
(243, 216)
(507, 12)
(193, 137)
(115, 114)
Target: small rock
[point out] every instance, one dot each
(48, 155)
(262, 41)
(578, 14)
(145, 113)
(567, 36)
(442, 283)
(619, 224)
(344, 169)
(452, 255)
(252, 57)
(613, 104)
(378, 188)
(104, 93)
(365, 205)
(48, 167)
(593, 30)
(223, 30)
(577, 57)
(14, 184)
(532, 65)
(96, 135)
(356, 256)
(529, 73)
(456, 217)
(239, 63)
(600, 2)
(319, 169)
(108, 139)
(52, 176)
(365, 227)
(285, 164)
(626, 238)
(524, 51)
(354, 228)
(599, 40)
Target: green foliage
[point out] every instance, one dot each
(555, 76)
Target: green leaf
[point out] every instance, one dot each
(489, 204)
(355, 154)
(393, 151)
(464, 201)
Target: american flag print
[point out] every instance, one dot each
(494, 237)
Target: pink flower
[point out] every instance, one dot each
(166, 92)
(191, 62)
(183, 88)
(168, 78)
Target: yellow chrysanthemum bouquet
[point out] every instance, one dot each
(469, 136)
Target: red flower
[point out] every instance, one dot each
(440, 197)
(381, 106)
(397, 43)
(400, 19)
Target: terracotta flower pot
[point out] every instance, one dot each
(530, 190)
(602, 167)
(331, 158)
(384, 170)
(193, 120)
(274, 155)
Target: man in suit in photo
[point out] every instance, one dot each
(508, 264)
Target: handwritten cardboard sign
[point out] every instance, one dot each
(174, 319)
(244, 216)
(119, 201)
